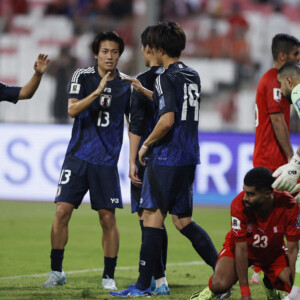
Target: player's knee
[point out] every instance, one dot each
(219, 285)
(108, 221)
(63, 213)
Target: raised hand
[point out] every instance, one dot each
(40, 65)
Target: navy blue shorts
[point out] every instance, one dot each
(78, 176)
(135, 192)
(169, 188)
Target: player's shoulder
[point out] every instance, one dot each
(271, 74)
(119, 82)
(82, 72)
(2, 84)
(237, 202)
(150, 72)
(284, 200)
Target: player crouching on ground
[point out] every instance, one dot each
(260, 219)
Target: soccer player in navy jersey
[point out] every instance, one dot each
(140, 126)
(173, 150)
(98, 100)
(14, 93)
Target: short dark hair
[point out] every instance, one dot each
(145, 36)
(282, 42)
(169, 36)
(260, 178)
(107, 36)
(290, 69)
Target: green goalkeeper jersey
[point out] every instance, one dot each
(296, 98)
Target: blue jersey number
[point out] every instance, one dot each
(191, 99)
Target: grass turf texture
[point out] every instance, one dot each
(25, 251)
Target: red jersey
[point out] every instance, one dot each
(265, 236)
(267, 151)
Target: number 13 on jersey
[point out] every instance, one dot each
(103, 118)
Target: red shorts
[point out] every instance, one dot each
(272, 270)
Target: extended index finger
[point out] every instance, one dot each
(130, 80)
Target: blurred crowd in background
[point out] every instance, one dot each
(228, 43)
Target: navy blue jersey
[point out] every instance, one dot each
(97, 133)
(142, 108)
(9, 93)
(177, 90)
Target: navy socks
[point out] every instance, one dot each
(201, 243)
(57, 256)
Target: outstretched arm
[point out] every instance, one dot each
(40, 65)
(139, 88)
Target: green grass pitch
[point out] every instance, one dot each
(25, 253)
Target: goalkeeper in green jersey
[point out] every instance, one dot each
(288, 175)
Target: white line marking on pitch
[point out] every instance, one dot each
(101, 269)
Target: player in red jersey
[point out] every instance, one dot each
(260, 219)
(272, 111)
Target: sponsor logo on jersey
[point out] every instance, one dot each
(161, 102)
(75, 88)
(114, 200)
(107, 90)
(105, 100)
(236, 223)
(277, 95)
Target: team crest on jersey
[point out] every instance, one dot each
(277, 95)
(105, 100)
(236, 223)
(75, 88)
(161, 102)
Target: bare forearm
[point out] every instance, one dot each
(162, 127)
(75, 106)
(282, 136)
(134, 141)
(147, 93)
(28, 90)
(292, 256)
(241, 256)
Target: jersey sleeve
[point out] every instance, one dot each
(275, 101)
(166, 95)
(9, 93)
(137, 114)
(238, 219)
(292, 230)
(77, 85)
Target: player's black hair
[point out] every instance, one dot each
(107, 36)
(145, 36)
(260, 178)
(283, 43)
(291, 69)
(169, 36)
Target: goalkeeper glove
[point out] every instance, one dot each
(287, 175)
